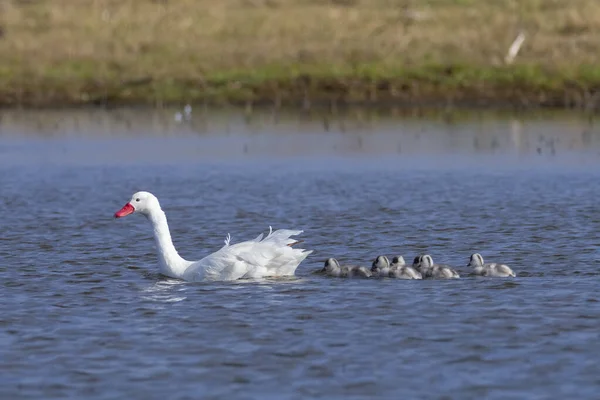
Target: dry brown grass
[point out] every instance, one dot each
(178, 49)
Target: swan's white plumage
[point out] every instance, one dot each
(260, 257)
(256, 258)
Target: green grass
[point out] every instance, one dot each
(158, 52)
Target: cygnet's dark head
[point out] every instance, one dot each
(417, 261)
(380, 262)
(398, 260)
(426, 261)
(330, 263)
(475, 261)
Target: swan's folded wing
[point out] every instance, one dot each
(271, 256)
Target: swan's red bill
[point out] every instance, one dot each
(126, 210)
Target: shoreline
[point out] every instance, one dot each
(515, 87)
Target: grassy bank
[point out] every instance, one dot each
(63, 52)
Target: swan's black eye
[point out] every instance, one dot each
(138, 199)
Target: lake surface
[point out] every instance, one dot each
(84, 313)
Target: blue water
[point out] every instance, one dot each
(85, 314)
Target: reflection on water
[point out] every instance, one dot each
(165, 291)
(99, 136)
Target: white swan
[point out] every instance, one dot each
(490, 269)
(271, 256)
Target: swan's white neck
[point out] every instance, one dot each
(171, 263)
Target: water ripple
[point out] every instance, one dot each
(85, 313)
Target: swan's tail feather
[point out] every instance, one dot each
(281, 237)
(289, 268)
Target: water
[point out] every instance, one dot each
(84, 313)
